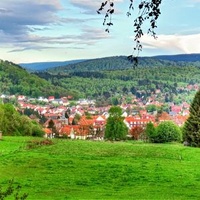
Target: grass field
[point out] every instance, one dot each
(101, 170)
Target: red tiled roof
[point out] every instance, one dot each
(47, 130)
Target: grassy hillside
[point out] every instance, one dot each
(101, 170)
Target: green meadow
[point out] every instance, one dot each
(79, 169)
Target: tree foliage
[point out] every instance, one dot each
(17, 81)
(12, 123)
(150, 131)
(166, 131)
(108, 78)
(191, 129)
(116, 129)
(149, 11)
(136, 132)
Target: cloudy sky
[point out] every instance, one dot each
(59, 30)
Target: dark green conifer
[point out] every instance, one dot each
(191, 129)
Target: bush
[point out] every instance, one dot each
(166, 131)
(136, 132)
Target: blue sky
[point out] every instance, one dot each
(59, 30)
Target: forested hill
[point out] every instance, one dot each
(107, 64)
(180, 57)
(16, 80)
(121, 63)
(40, 66)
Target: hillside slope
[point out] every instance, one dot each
(180, 57)
(16, 80)
(122, 62)
(40, 66)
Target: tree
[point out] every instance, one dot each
(191, 129)
(76, 119)
(166, 131)
(149, 10)
(136, 132)
(116, 129)
(150, 131)
(151, 108)
(52, 126)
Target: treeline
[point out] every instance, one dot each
(119, 63)
(13, 123)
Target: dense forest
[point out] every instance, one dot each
(16, 80)
(112, 79)
(122, 62)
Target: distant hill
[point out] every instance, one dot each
(180, 57)
(40, 66)
(121, 63)
(113, 63)
(16, 80)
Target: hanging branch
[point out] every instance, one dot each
(149, 10)
(108, 15)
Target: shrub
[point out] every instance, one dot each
(166, 131)
(38, 143)
(136, 132)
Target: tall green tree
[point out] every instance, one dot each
(116, 129)
(52, 126)
(191, 129)
(150, 131)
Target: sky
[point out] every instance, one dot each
(60, 30)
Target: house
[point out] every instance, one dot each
(87, 128)
(51, 98)
(164, 117)
(21, 98)
(74, 132)
(176, 109)
(180, 120)
(132, 122)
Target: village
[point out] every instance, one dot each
(83, 120)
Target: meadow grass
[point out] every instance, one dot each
(101, 170)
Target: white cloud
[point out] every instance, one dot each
(17, 16)
(173, 43)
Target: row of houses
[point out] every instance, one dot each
(93, 127)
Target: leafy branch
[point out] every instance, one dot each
(149, 10)
(108, 15)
